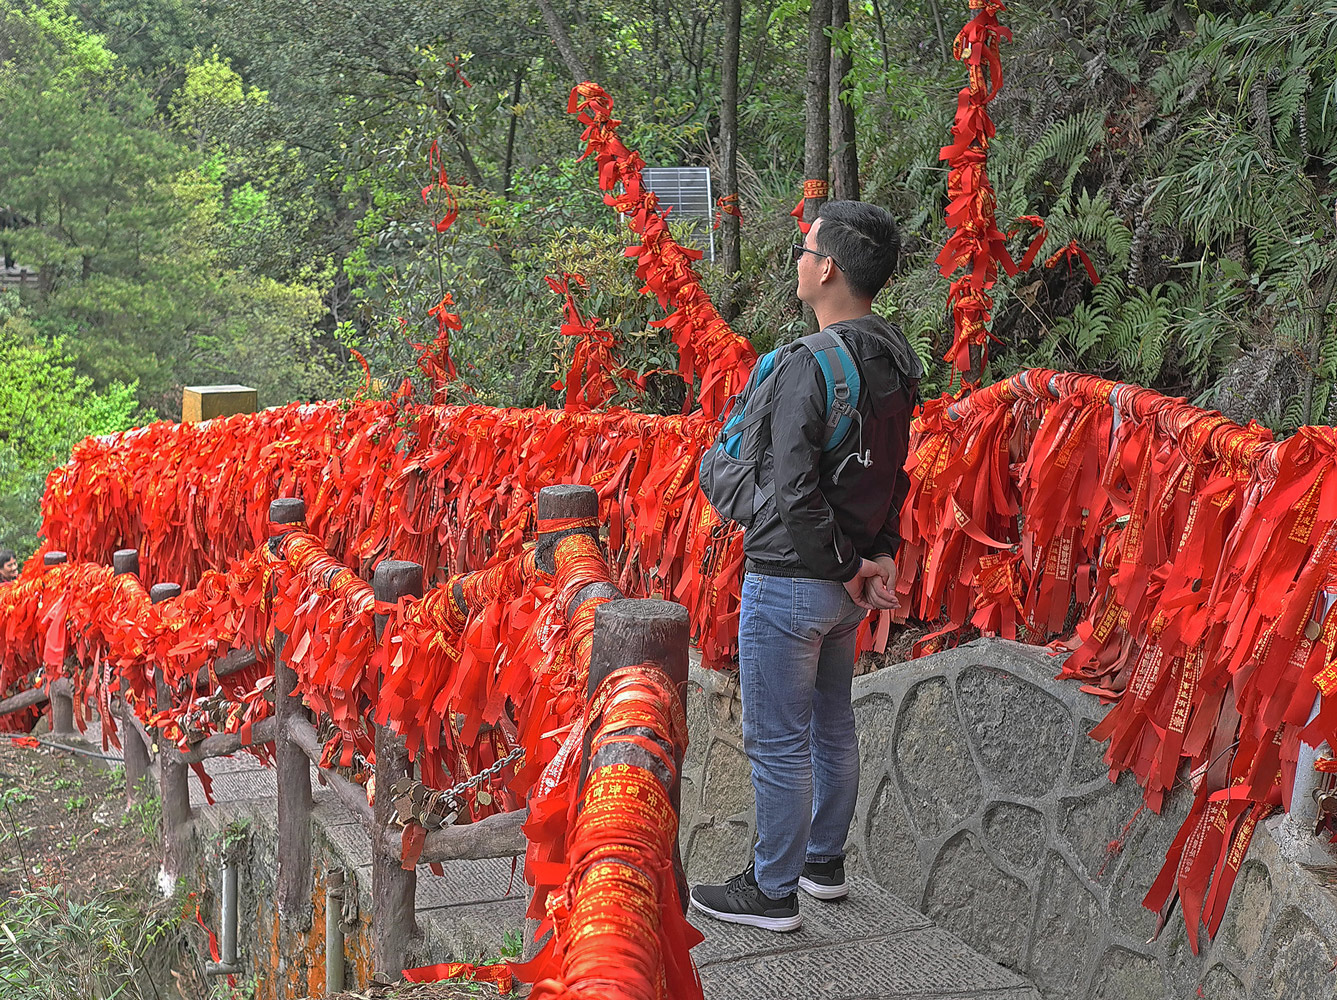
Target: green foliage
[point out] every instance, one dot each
(232, 192)
(145, 811)
(53, 947)
(1191, 162)
(45, 407)
(126, 225)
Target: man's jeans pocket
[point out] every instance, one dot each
(820, 603)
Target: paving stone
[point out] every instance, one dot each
(329, 811)
(868, 913)
(969, 896)
(1123, 975)
(1221, 984)
(1088, 756)
(923, 963)
(893, 850)
(1068, 934)
(698, 722)
(473, 933)
(1144, 848)
(235, 762)
(718, 851)
(1299, 962)
(874, 719)
(727, 788)
(467, 882)
(1246, 917)
(933, 759)
(351, 843)
(1021, 734)
(1090, 822)
(235, 786)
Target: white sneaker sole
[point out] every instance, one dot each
(827, 892)
(781, 924)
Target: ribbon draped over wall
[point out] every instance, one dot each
(1196, 559)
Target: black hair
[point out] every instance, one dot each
(863, 239)
(6, 555)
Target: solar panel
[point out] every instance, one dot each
(687, 191)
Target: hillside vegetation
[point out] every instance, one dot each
(232, 191)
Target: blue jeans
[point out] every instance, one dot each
(796, 664)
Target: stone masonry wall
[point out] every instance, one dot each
(984, 804)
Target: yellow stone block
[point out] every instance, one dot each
(204, 402)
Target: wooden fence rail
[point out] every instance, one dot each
(626, 632)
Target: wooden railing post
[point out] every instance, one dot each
(565, 505)
(61, 691)
(393, 889)
(135, 755)
(627, 633)
(559, 509)
(293, 766)
(173, 779)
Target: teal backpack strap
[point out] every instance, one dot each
(843, 385)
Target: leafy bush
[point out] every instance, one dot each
(45, 408)
(56, 948)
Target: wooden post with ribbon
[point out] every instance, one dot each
(135, 755)
(173, 778)
(61, 691)
(393, 888)
(291, 762)
(620, 890)
(628, 633)
(563, 511)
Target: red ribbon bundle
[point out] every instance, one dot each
(976, 244)
(605, 883)
(590, 382)
(326, 611)
(1201, 558)
(80, 621)
(447, 487)
(706, 344)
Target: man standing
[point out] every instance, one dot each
(820, 554)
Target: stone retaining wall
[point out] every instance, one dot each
(984, 804)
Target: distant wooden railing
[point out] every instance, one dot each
(626, 632)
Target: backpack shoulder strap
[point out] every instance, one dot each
(843, 384)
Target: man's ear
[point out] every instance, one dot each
(829, 270)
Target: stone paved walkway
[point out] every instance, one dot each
(871, 946)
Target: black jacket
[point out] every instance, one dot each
(819, 525)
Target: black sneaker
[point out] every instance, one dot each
(741, 901)
(824, 879)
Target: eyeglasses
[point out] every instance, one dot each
(798, 250)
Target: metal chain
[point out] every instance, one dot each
(487, 773)
(452, 797)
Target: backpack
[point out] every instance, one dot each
(730, 472)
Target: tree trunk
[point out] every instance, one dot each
(844, 148)
(733, 254)
(470, 164)
(942, 35)
(562, 39)
(817, 127)
(509, 161)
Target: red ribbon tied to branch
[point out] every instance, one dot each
(590, 381)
